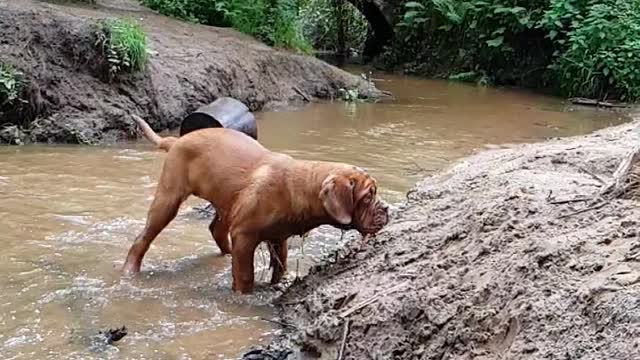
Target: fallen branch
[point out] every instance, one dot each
(597, 103)
(571, 200)
(371, 300)
(304, 96)
(594, 176)
(345, 333)
(589, 208)
(616, 186)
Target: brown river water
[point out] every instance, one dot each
(69, 213)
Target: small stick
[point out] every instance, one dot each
(303, 238)
(594, 176)
(305, 96)
(345, 333)
(567, 201)
(594, 207)
(283, 324)
(273, 251)
(371, 300)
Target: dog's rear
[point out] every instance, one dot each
(163, 143)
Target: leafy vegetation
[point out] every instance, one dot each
(597, 52)
(578, 47)
(320, 21)
(123, 45)
(275, 22)
(11, 81)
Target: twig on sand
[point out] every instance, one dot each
(345, 334)
(589, 208)
(594, 176)
(572, 200)
(281, 323)
(304, 96)
(371, 300)
(622, 181)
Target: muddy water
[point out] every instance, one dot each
(68, 215)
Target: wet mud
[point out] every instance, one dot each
(492, 258)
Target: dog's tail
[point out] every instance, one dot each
(163, 143)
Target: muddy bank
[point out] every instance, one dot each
(484, 261)
(66, 101)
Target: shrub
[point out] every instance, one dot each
(123, 45)
(320, 24)
(274, 22)
(578, 47)
(598, 47)
(11, 81)
(496, 37)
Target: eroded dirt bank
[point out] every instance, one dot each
(189, 65)
(486, 261)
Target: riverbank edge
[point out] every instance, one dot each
(494, 256)
(65, 99)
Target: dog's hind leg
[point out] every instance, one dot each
(243, 248)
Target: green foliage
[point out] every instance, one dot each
(598, 47)
(11, 81)
(579, 47)
(349, 95)
(273, 21)
(123, 45)
(319, 21)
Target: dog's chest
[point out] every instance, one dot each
(284, 228)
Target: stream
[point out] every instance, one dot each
(70, 213)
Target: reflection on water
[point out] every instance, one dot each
(68, 215)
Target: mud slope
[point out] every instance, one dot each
(486, 267)
(189, 65)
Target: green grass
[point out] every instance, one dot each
(123, 44)
(275, 22)
(10, 85)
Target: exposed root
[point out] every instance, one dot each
(625, 181)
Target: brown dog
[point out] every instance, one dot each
(258, 195)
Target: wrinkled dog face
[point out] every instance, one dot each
(351, 200)
(371, 214)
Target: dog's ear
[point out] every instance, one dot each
(337, 198)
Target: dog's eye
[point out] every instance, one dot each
(367, 199)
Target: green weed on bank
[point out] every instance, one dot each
(11, 81)
(274, 22)
(585, 48)
(123, 45)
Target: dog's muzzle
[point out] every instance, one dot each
(377, 218)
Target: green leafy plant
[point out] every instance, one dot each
(349, 95)
(319, 23)
(598, 47)
(123, 45)
(274, 22)
(577, 47)
(11, 81)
